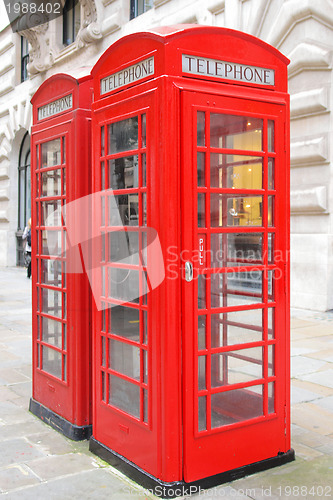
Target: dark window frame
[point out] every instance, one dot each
(136, 10)
(71, 15)
(24, 59)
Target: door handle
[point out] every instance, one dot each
(188, 271)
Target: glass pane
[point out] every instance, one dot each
(237, 405)
(64, 336)
(51, 242)
(51, 332)
(201, 128)
(124, 284)
(235, 367)
(201, 291)
(201, 169)
(145, 405)
(145, 366)
(271, 333)
(270, 136)
(51, 213)
(202, 413)
(102, 141)
(102, 175)
(63, 150)
(124, 247)
(201, 332)
(144, 327)
(236, 132)
(123, 135)
(201, 373)
(237, 327)
(124, 395)
(270, 248)
(201, 210)
(144, 170)
(51, 272)
(63, 181)
(124, 358)
(51, 362)
(271, 397)
(52, 302)
(123, 172)
(230, 210)
(271, 360)
(124, 210)
(125, 322)
(143, 209)
(235, 171)
(271, 221)
(236, 249)
(271, 173)
(103, 317)
(270, 279)
(236, 289)
(51, 153)
(103, 387)
(143, 131)
(51, 183)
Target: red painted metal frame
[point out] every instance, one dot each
(169, 447)
(69, 398)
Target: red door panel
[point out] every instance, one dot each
(235, 354)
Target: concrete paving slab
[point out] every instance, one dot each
(50, 467)
(299, 395)
(16, 476)
(324, 378)
(50, 444)
(312, 387)
(17, 451)
(93, 485)
(326, 403)
(309, 416)
(301, 365)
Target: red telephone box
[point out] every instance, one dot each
(61, 173)
(191, 376)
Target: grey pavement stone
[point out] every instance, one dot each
(49, 442)
(16, 476)
(299, 395)
(96, 484)
(324, 378)
(17, 451)
(326, 403)
(50, 467)
(19, 430)
(301, 365)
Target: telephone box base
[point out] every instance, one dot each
(180, 488)
(71, 431)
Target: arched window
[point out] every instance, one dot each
(71, 21)
(24, 194)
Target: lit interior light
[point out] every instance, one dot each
(248, 124)
(250, 169)
(248, 206)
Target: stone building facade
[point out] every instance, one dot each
(301, 29)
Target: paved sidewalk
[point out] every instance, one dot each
(38, 463)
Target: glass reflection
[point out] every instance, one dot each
(236, 288)
(123, 172)
(236, 249)
(123, 135)
(230, 210)
(236, 132)
(239, 327)
(51, 183)
(51, 153)
(125, 322)
(235, 171)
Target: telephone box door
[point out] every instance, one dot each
(122, 340)
(235, 216)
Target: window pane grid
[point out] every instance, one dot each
(126, 316)
(232, 266)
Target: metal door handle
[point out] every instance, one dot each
(188, 271)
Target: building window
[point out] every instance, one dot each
(24, 195)
(71, 21)
(24, 58)
(140, 6)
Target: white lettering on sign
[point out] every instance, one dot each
(128, 75)
(195, 65)
(55, 107)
